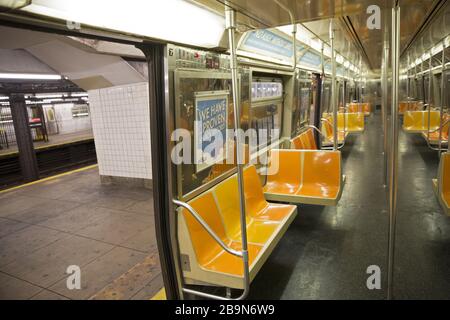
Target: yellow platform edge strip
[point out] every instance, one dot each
(49, 178)
(160, 295)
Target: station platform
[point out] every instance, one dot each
(71, 219)
(53, 140)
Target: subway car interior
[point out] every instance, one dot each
(257, 149)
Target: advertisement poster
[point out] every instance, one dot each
(305, 101)
(210, 130)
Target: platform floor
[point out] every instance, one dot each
(326, 251)
(108, 231)
(55, 139)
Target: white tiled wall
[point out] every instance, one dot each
(121, 125)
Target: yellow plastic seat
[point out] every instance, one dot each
(327, 131)
(433, 136)
(208, 252)
(321, 175)
(258, 231)
(417, 121)
(364, 107)
(204, 261)
(229, 163)
(304, 141)
(305, 176)
(354, 122)
(408, 106)
(256, 203)
(297, 143)
(286, 178)
(442, 183)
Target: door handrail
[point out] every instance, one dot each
(241, 254)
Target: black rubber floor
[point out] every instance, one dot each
(327, 250)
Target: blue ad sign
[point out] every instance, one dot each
(267, 41)
(211, 128)
(311, 59)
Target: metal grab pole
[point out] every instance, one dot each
(393, 165)
(407, 83)
(385, 103)
(343, 105)
(333, 87)
(430, 75)
(442, 101)
(230, 20)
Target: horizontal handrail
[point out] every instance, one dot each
(439, 128)
(207, 228)
(317, 129)
(241, 254)
(331, 124)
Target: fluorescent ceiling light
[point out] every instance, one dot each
(426, 56)
(170, 20)
(80, 94)
(14, 4)
(4, 98)
(29, 76)
(52, 100)
(44, 96)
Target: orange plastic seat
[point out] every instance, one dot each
(286, 178)
(227, 196)
(204, 261)
(417, 121)
(229, 162)
(297, 143)
(209, 253)
(304, 141)
(354, 122)
(442, 183)
(408, 106)
(256, 203)
(364, 107)
(433, 136)
(327, 131)
(310, 177)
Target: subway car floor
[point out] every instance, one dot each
(108, 231)
(326, 251)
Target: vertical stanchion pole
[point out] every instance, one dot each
(393, 166)
(344, 112)
(408, 83)
(333, 87)
(385, 101)
(442, 101)
(230, 20)
(430, 75)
